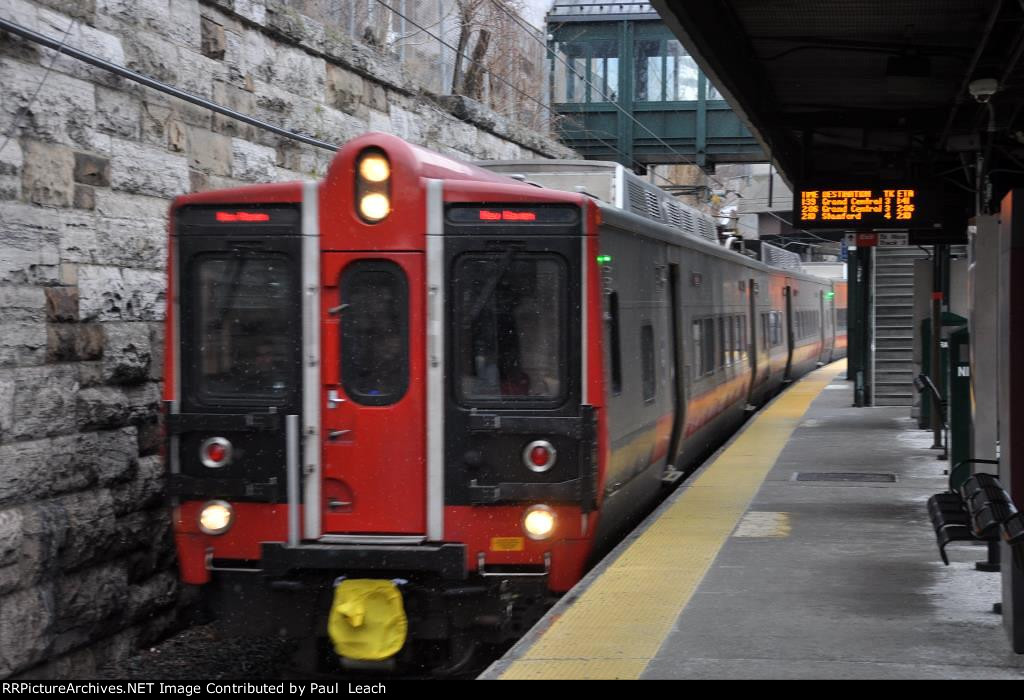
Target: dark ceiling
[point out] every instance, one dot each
(871, 91)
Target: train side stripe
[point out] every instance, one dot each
(614, 621)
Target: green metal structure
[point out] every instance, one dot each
(613, 59)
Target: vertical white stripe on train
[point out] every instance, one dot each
(435, 360)
(311, 378)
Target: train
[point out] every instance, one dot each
(408, 405)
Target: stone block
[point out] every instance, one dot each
(253, 10)
(139, 242)
(113, 407)
(156, 346)
(375, 96)
(121, 205)
(155, 593)
(87, 38)
(150, 55)
(63, 111)
(89, 596)
(145, 490)
(61, 304)
(177, 136)
(209, 152)
(183, 28)
(140, 169)
(22, 303)
(22, 344)
(198, 182)
(44, 401)
(47, 174)
(127, 357)
(118, 112)
(214, 43)
(344, 88)
(238, 99)
(112, 294)
(85, 197)
(6, 403)
(26, 618)
(30, 241)
(196, 72)
(11, 162)
(252, 162)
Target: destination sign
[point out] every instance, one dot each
(860, 207)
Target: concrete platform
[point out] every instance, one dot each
(801, 579)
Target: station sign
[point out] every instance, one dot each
(863, 208)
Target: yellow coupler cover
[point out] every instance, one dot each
(367, 620)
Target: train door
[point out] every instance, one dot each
(825, 313)
(755, 377)
(787, 293)
(677, 363)
(373, 418)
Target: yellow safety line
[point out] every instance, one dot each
(618, 624)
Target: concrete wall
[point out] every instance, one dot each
(86, 557)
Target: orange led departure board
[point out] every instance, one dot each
(860, 207)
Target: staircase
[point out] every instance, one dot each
(894, 332)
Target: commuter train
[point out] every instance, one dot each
(407, 405)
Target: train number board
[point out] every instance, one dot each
(862, 207)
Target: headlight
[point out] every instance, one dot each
(539, 522)
(374, 207)
(215, 518)
(374, 168)
(373, 185)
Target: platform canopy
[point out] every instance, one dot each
(871, 91)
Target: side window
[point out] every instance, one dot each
(709, 345)
(731, 322)
(612, 322)
(375, 332)
(698, 349)
(647, 361)
(722, 347)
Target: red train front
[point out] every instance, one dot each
(384, 376)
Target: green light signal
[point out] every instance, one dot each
(604, 259)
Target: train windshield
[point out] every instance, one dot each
(510, 321)
(246, 344)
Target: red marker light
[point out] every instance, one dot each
(490, 215)
(539, 456)
(216, 453)
(241, 216)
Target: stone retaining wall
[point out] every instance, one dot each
(86, 556)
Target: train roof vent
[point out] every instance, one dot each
(688, 225)
(779, 257)
(675, 214)
(708, 230)
(637, 205)
(653, 205)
